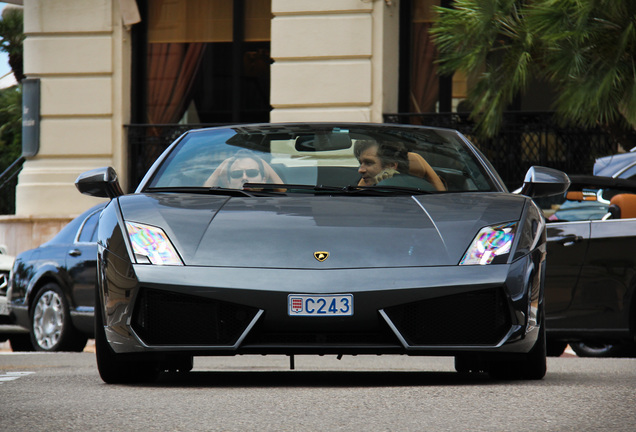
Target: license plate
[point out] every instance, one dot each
(320, 305)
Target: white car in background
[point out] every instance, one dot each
(6, 263)
(8, 330)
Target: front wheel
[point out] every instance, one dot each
(531, 367)
(51, 325)
(118, 368)
(555, 348)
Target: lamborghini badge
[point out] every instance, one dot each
(321, 255)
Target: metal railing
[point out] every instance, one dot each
(11, 171)
(525, 139)
(8, 180)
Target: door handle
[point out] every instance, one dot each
(75, 252)
(569, 240)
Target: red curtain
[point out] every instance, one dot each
(171, 71)
(424, 80)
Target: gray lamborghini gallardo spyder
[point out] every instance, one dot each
(322, 238)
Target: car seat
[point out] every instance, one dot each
(623, 206)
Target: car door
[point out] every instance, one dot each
(81, 263)
(567, 246)
(602, 296)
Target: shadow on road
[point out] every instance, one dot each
(318, 379)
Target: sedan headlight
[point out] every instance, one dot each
(490, 243)
(151, 245)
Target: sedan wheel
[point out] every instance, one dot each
(600, 349)
(51, 326)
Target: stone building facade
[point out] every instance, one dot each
(331, 60)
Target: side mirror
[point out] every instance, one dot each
(542, 181)
(99, 182)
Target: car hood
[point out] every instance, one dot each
(357, 232)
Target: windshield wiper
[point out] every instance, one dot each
(286, 187)
(203, 190)
(391, 189)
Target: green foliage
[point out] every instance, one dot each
(12, 38)
(10, 141)
(590, 53)
(585, 48)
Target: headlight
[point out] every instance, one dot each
(490, 243)
(151, 245)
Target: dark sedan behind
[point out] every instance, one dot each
(52, 288)
(590, 287)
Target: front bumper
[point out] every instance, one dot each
(8, 325)
(411, 310)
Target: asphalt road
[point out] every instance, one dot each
(63, 391)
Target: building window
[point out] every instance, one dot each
(205, 61)
(424, 83)
(422, 90)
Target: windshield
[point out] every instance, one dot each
(323, 157)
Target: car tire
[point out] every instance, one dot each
(599, 349)
(119, 368)
(532, 367)
(51, 325)
(555, 348)
(21, 342)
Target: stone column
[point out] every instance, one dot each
(80, 51)
(334, 60)
(75, 48)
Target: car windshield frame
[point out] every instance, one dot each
(321, 155)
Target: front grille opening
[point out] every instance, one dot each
(380, 336)
(4, 282)
(169, 318)
(471, 318)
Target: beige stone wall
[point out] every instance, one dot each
(20, 234)
(80, 51)
(334, 60)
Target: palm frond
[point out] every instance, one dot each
(585, 48)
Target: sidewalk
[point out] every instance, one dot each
(90, 346)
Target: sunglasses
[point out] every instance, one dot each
(251, 173)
